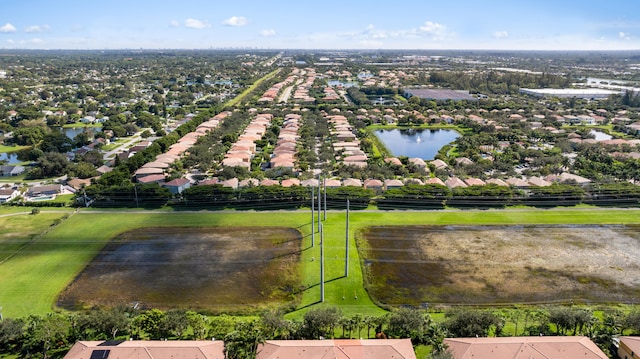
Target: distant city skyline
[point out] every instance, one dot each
(328, 24)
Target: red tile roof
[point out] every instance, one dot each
(176, 349)
(524, 348)
(337, 349)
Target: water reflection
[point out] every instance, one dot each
(419, 143)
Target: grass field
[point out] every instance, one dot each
(33, 278)
(236, 100)
(9, 149)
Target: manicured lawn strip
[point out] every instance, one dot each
(236, 100)
(32, 280)
(20, 228)
(82, 125)
(9, 149)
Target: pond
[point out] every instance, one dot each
(334, 83)
(72, 132)
(601, 136)
(419, 143)
(9, 158)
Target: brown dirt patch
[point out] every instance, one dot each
(214, 269)
(501, 264)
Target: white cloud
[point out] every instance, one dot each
(196, 24)
(37, 28)
(268, 32)
(624, 35)
(8, 28)
(374, 33)
(11, 41)
(34, 41)
(174, 23)
(236, 21)
(433, 28)
(500, 34)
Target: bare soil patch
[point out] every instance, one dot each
(214, 269)
(501, 264)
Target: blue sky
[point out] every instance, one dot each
(326, 24)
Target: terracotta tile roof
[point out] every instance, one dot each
(337, 349)
(176, 349)
(524, 348)
(435, 180)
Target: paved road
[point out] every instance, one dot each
(125, 146)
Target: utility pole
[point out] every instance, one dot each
(135, 191)
(321, 264)
(324, 184)
(346, 245)
(319, 203)
(313, 232)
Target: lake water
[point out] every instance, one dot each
(341, 83)
(421, 143)
(601, 136)
(9, 158)
(72, 132)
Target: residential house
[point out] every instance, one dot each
(231, 183)
(78, 183)
(373, 184)
(524, 348)
(337, 349)
(143, 349)
(159, 178)
(454, 182)
(332, 183)
(629, 347)
(312, 182)
(45, 190)
(7, 194)
(177, 185)
(474, 182)
(436, 181)
(418, 162)
(393, 183)
(497, 181)
(463, 161)
(439, 164)
(11, 170)
(353, 182)
(290, 182)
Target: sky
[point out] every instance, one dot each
(325, 24)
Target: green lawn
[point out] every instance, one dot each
(82, 124)
(32, 279)
(236, 100)
(9, 149)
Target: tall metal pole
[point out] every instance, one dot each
(313, 232)
(346, 245)
(319, 203)
(324, 184)
(321, 264)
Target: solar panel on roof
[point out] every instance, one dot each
(110, 343)
(100, 354)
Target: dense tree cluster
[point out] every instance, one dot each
(50, 336)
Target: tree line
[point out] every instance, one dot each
(429, 196)
(52, 335)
